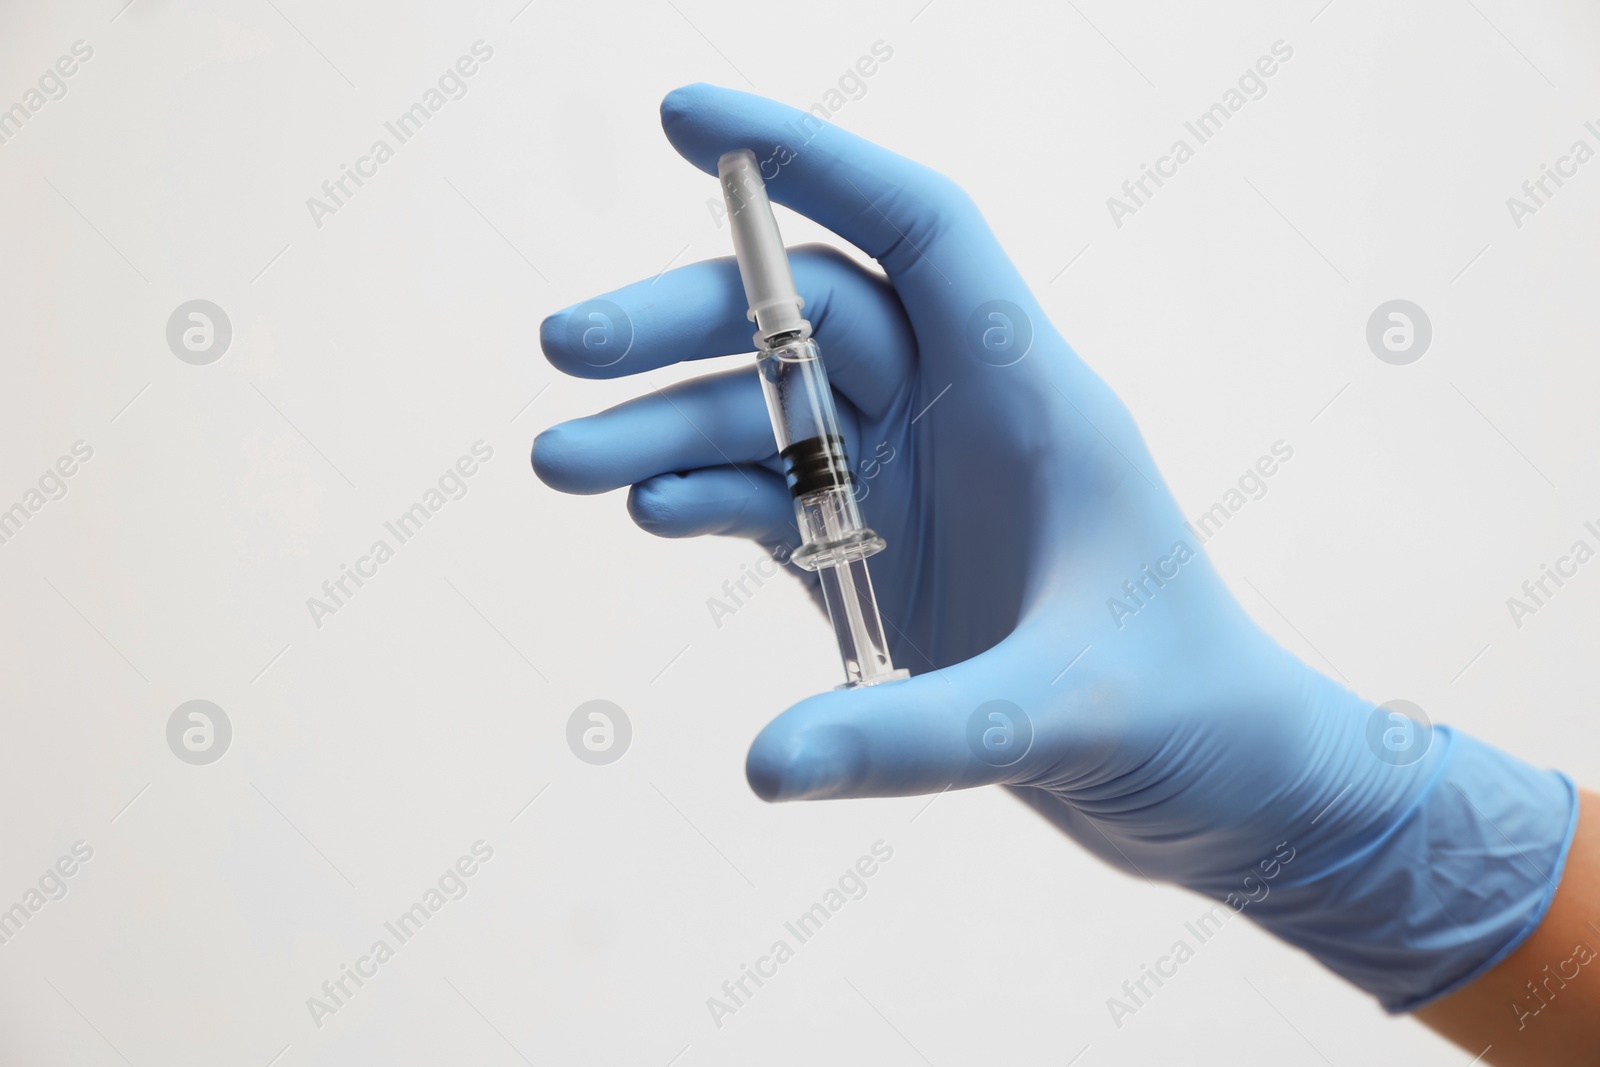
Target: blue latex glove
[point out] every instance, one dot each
(1067, 634)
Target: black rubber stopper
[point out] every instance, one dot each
(816, 463)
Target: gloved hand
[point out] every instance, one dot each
(1068, 636)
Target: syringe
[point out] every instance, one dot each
(836, 540)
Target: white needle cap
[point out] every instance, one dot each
(763, 264)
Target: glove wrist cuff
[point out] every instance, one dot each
(1459, 881)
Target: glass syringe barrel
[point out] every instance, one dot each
(836, 541)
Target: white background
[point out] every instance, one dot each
(370, 353)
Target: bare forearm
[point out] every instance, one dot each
(1541, 1004)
